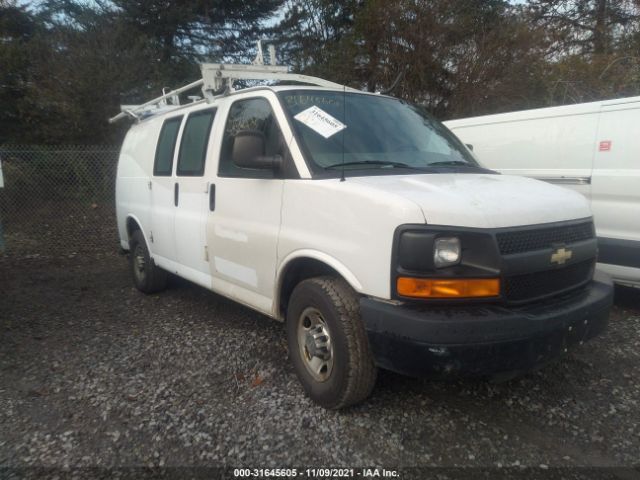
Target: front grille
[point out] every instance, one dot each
(519, 288)
(538, 239)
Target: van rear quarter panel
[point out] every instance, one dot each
(135, 168)
(616, 175)
(540, 146)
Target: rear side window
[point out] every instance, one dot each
(163, 163)
(193, 145)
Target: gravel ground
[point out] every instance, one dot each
(95, 374)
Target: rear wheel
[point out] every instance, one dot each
(328, 345)
(147, 277)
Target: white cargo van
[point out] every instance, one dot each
(592, 148)
(363, 224)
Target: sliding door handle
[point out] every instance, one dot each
(212, 197)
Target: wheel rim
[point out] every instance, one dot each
(314, 344)
(139, 263)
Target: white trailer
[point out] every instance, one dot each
(592, 148)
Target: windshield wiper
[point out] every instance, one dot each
(451, 163)
(381, 163)
(461, 164)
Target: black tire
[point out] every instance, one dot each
(352, 375)
(147, 277)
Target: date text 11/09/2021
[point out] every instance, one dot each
(315, 473)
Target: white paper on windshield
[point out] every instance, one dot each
(320, 121)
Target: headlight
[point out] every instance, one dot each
(446, 251)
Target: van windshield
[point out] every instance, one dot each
(371, 133)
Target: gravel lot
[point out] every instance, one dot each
(94, 373)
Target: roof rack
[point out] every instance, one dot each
(217, 80)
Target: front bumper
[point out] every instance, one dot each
(484, 340)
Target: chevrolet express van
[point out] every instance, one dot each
(592, 148)
(364, 225)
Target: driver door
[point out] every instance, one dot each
(243, 228)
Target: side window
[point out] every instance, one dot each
(193, 145)
(250, 114)
(163, 162)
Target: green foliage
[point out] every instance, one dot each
(587, 26)
(463, 57)
(197, 29)
(67, 65)
(71, 64)
(17, 28)
(456, 56)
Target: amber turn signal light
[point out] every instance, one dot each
(454, 288)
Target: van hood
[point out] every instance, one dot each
(483, 200)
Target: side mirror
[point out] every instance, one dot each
(248, 151)
(469, 146)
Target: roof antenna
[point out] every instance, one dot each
(344, 120)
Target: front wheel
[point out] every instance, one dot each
(328, 344)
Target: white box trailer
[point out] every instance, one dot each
(592, 148)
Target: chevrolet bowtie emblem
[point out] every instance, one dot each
(561, 255)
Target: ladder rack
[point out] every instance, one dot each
(217, 80)
(137, 111)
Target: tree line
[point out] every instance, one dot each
(67, 65)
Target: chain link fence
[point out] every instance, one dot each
(58, 201)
